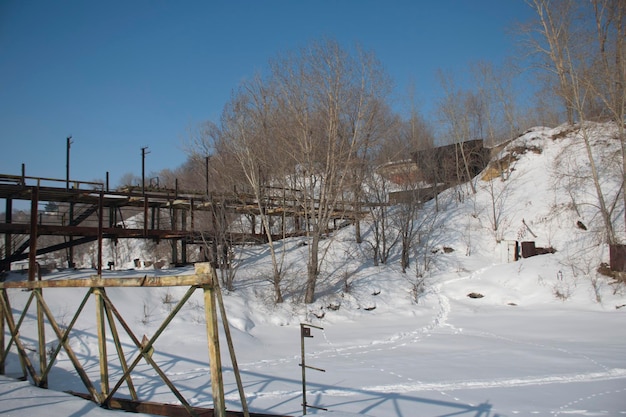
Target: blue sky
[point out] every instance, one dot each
(122, 75)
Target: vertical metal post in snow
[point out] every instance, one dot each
(305, 331)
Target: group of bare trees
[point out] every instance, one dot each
(317, 126)
(309, 126)
(582, 44)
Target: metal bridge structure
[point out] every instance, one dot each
(80, 212)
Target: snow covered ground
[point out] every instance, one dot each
(547, 337)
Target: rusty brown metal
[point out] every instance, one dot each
(528, 249)
(162, 409)
(32, 251)
(99, 281)
(204, 278)
(100, 221)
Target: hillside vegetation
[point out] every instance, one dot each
(541, 192)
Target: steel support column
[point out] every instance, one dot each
(32, 254)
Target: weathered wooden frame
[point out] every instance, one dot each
(106, 312)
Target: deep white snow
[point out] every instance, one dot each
(548, 337)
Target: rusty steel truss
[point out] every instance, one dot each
(108, 318)
(88, 212)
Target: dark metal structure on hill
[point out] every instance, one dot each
(436, 169)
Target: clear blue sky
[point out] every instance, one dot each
(121, 75)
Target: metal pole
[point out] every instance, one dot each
(305, 331)
(303, 365)
(206, 170)
(100, 225)
(143, 189)
(67, 163)
(2, 346)
(143, 169)
(32, 252)
(8, 219)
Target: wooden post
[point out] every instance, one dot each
(102, 343)
(215, 362)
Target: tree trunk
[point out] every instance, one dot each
(312, 267)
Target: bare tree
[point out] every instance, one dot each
(375, 130)
(129, 179)
(610, 20)
(328, 98)
(572, 56)
(550, 38)
(383, 239)
(249, 133)
(460, 112)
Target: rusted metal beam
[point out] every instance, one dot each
(120, 352)
(161, 409)
(2, 349)
(100, 229)
(14, 331)
(99, 281)
(145, 350)
(231, 348)
(68, 348)
(41, 336)
(102, 343)
(49, 249)
(8, 218)
(215, 362)
(204, 278)
(32, 252)
(66, 333)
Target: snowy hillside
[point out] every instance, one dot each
(543, 336)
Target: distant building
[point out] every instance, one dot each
(435, 169)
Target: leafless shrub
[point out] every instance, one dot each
(147, 313)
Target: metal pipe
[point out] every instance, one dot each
(67, 163)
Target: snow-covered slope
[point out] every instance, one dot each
(547, 337)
